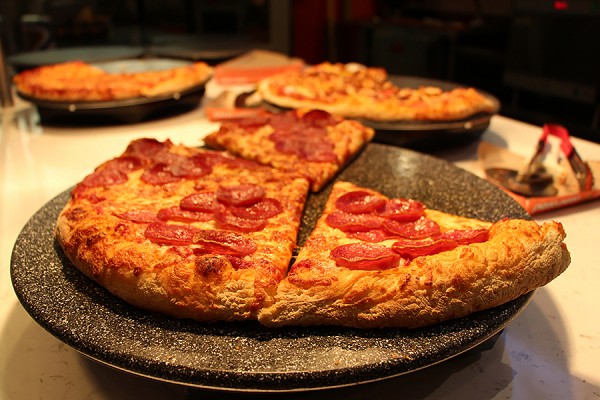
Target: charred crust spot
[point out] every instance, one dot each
(75, 214)
(93, 239)
(211, 266)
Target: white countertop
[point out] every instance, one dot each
(551, 350)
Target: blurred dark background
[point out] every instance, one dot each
(541, 58)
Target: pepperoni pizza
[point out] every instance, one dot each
(80, 81)
(355, 91)
(374, 262)
(313, 143)
(201, 234)
(183, 231)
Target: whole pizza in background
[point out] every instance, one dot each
(80, 81)
(356, 91)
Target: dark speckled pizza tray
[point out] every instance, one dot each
(246, 356)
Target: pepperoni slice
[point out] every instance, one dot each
(177, 214)
(244, 194)
(266, 208)
(319, 118)
(127, 163)
(170, 234)
(224, 242)
(138, 216)
(414, 248)
(104, 177)
(365, 256)
(466, 236)
(145, 147)
(192, 167)
(403, 210)
(159, 174)
(212, 158)
(307, 145)
(359, 202)
(419, 229)
(353, 222)
(202, 202)
(225, 220)
(286, 120)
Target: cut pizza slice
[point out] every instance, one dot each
(182, 231)
(314, 144)
(374, 262)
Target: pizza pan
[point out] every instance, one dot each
(125, 110)
(246, 356)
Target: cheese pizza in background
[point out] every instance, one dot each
(80, 81)
(375, 262)
(356, 91)
(313, 143)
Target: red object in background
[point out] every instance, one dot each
(561, 5)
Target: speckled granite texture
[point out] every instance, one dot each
(247, 356)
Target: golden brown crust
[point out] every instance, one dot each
(348, 138)
(354, 91)
(182, 280)
(518, 257)
(79, 81)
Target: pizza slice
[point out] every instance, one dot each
(182, 231)
(314, 144)
(374, 262)
(356, 91)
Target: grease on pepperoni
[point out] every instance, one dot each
(170, 234)
(420, 229)
(359, 202)
(403, 210)
(104, 177)
(244, 194)
(353, 222)
(265, 208)
(414, 248)
(365, 256)
(226, 220)
(466, 236)
(201, 201)
(223, 242)
(159, 174)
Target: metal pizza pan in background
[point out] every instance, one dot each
(124, 110)
(245, 356)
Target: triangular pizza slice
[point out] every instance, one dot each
(374, 262)
(314, 144)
